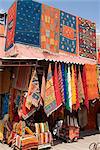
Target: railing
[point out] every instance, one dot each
(94, 146)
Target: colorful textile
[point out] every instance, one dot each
(11, 19)
(25, 113)
(28, 22)
(87, 38)
(1, 130)
(56, 87)
(50, 99)
(99, 56)
(60, 80)
(22, 76)
(2, 30)
(90, 82)
(33, 97)
(43, 86)
(50, 28)
(68, 41)
(76, 83)
(98, 76)
(81, 96)
(69, 89)
(64, 84)
(5, 105)
(73, 85)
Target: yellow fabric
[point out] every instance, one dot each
(73, 86)
(1, 129)
(29, 131)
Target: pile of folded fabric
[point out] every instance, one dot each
(43, 133)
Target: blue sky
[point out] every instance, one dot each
(89, 9)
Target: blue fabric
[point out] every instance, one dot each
(64, 83)
(67, 44)
(5, 105)
(28, 22)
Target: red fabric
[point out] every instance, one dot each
(99, 56)
(56, 87)
(76, 83)
(26, 113)
(11, 26)
(86, 102)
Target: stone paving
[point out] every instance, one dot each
(82, 144)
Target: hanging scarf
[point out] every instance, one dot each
(64, 84)
(98, 77)
(43, 86)
(76, 83)
(49, 100)
(69, 89)
(81, 96)
(33, 97)
(73, 86)
(90, 84)
(56, 87)
(60, 80)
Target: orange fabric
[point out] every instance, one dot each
(68, 32)
(2, 29)
(50, 28)
(91, 82)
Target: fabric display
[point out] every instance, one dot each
(98, 76)
(50, 99)
(68, 40)
(81, 95)
(33, 97)
(90, 82)
(73, 85)
(66, 75)
(22, 77)
(28, 33)
(76, 83)
(50, 28)
(87, 38)
(11, 19)
(56, 87)
(1, 129)
(43, 133)
(60, 80)
(43, 86)
(2, 30)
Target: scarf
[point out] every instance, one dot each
(56, 87)
(50, 99)
(80, 87)
(73, 86)
(60, 80)
(33, 97)
(90, 83)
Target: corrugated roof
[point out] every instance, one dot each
(21, 51)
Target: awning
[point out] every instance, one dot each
(20, 51)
